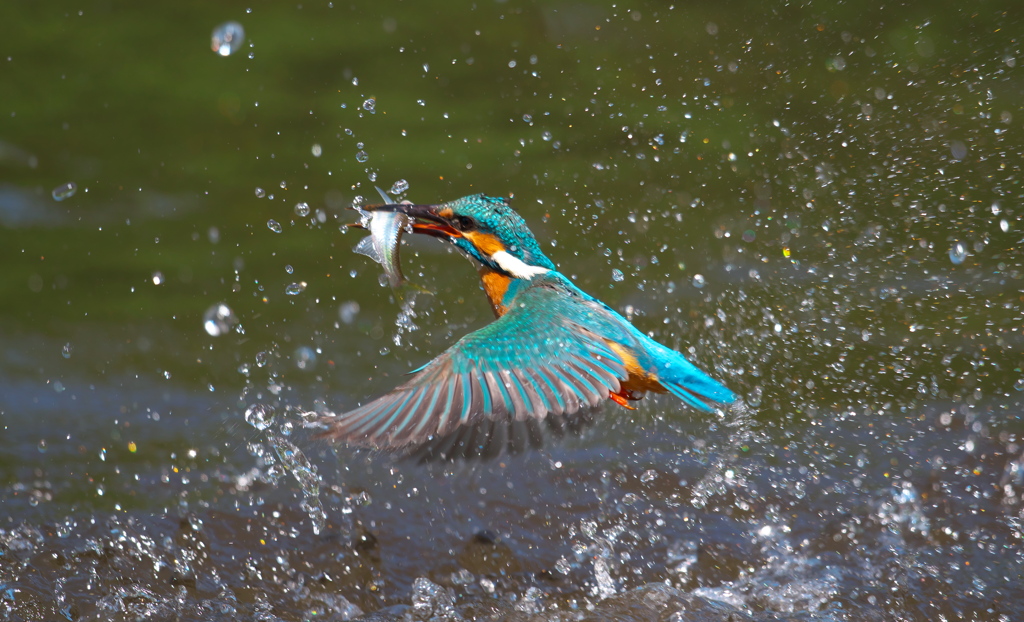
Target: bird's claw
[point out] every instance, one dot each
(623, 395)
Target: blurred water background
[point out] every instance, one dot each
(820, 202)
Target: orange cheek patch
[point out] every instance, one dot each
(446, 213)
(487, 243)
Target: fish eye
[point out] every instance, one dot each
(464, 223)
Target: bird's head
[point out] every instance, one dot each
(485, 228)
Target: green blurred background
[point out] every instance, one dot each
(819, 202)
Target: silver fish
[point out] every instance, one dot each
(381, 245)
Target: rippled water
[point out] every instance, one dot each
(820, 206)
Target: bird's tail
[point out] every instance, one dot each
(687, 382)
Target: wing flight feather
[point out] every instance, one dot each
(535, 362)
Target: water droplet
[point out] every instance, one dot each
(1004, 225)
(546, 135)
(958, 150)
(399, 186)
(348, 311)
(749, 235)
(158, 278)
(1019, 385)
(302, 209)
(958, 253)
(754, 397)
(64, 191)
(67, 350)
(42, 446)
(260, 193)
(698, 281)
(617, 275)
(648, 476)
(218, 319)
(370, 104)
(259, 416)
(274, 226)
(261, 359)
(294, 289)
(289, 269)
(305, 358)
(837, 63)
(227, 38)
(361, 156)
(317, 150)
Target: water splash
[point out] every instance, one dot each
(601, 550)
(958, 253)
(227, 38)
(726, 472)
(682, 559)
(430, 601)
(347, 311)
(64, 191)
(399, 187)
(404, 322)
(218, 320)
(305, 358)
(294, 462)
(260, 416)
(905, 511)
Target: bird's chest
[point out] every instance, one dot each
(496, 287)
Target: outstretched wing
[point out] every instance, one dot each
(547, 357)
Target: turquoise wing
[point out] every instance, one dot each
(547, 358)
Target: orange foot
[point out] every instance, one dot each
(623, 395)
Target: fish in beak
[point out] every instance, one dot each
(387, 222)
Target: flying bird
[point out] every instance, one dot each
(552, 356)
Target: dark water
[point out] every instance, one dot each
(821, 204)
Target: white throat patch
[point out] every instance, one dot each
(516, 267)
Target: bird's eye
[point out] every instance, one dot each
(464, 223)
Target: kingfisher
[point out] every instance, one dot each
(551, 357)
